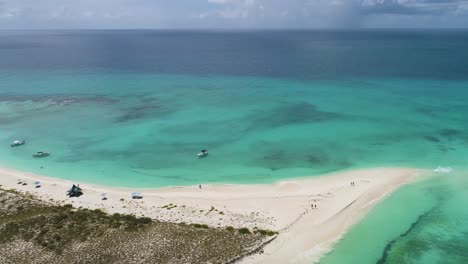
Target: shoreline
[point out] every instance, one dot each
(305, 234)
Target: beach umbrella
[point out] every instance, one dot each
(37, 183)
(104, 196)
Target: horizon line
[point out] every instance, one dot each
(242, 29)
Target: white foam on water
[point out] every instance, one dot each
(441, 169)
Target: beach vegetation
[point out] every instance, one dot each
(169, 206)
(266, 232)
(63, 234)
(200, 226)
(244, 231)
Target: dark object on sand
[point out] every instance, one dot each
(75, 191)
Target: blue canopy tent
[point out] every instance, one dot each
(136, 195)
(75, 191)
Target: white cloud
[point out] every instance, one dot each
(229, 13)
(219, 1)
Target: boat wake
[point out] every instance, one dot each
(443, 169)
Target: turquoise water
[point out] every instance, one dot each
(421, 223)
(133, 108)
(256, 129)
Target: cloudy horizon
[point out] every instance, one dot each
(232, 14)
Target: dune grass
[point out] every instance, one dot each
(48, 233)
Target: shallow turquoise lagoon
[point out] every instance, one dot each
(144, 130)
(424, 223)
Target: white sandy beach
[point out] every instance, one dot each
(304, 233)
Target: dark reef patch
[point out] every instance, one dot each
(294, 113)
(277, 155)
(427, 111)
(22, 108)
(455, 248)
(145, 108)
(431, 138)
(450, 133)
(273, 158)
(445, 148)
(57, 99)
(260, 120)
(316, 159)
(134, 113)
(383, 259)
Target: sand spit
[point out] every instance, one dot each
(305, 232)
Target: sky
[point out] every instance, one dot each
(232, 14)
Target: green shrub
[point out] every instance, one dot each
(244, 231)
(144, 220)
(266, 232)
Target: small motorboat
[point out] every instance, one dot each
(41, 154)
(203, 153)
(17, 143)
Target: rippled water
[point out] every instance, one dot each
(133, 108)
(256, 129)
(420, 223)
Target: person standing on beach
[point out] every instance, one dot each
(199, 186)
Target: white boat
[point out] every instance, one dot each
(18, 143)
(41, 154)
(203, 153)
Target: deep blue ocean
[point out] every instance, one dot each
(299, 55)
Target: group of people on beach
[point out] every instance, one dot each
(353, 184)
(314, 206)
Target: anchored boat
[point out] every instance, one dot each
(203, 153)
(17, 143)
(41, 154)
